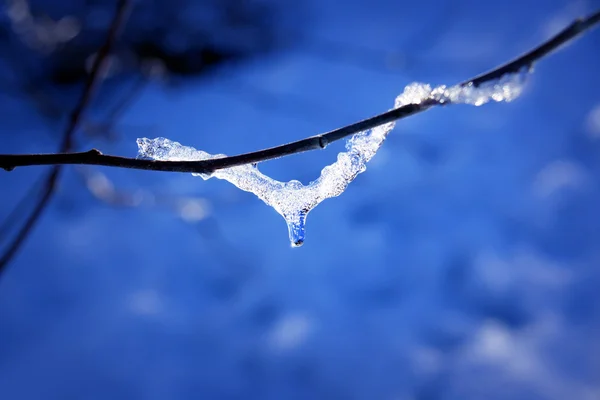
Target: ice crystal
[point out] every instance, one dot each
(292, 199)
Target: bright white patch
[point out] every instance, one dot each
(557, 176)
(145, 302)
(290, 332)
(193, 210)
(493, 341)
(522, 268)
(593, 122)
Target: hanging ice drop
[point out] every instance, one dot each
(296, 230)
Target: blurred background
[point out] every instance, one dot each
(463, 264)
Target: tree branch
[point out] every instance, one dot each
(67, 142)
(94, 157)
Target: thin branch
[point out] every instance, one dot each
(67, 143)
(128, 99)
(21, 208)
(94, 157)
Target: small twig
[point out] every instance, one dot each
(128, 99)
(20, 209)
(94, 157)
(67, 143)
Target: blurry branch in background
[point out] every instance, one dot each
(162, 43)
(95, 157)
(191, 209)
(106, 128)
(21, 207)
(51, 179)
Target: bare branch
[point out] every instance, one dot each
(67, 142)
(94, 157)
(20, 209)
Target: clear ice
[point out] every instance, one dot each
(293, 200)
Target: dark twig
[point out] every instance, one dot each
(21, 208)
(94, 157)
(115, 112)
(67, 142)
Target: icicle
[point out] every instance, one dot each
(296, 231)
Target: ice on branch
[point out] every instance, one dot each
(507, 88)
(292, 199)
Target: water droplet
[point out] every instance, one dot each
(296, 230)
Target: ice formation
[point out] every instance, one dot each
(292, 199)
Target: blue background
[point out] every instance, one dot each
(463, 264)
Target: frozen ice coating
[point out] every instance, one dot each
(292, 199)
(506, 88)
